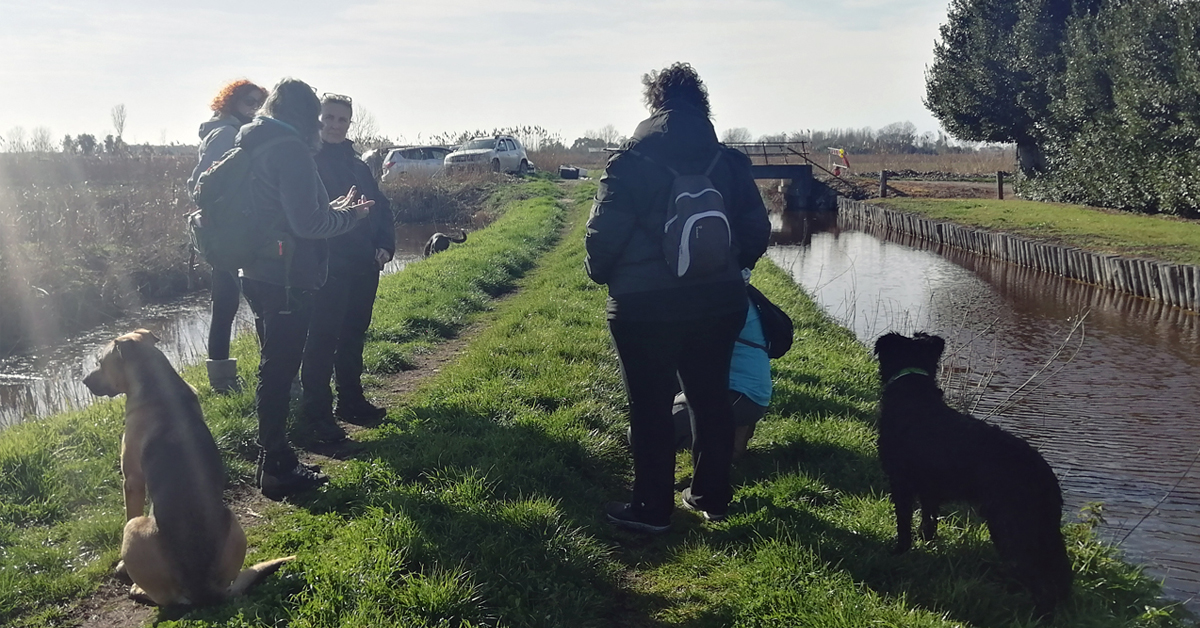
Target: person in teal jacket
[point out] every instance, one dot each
(749, 388)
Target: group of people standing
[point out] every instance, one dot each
(676, 337)
(313, 309)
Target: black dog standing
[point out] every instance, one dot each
(936, 454)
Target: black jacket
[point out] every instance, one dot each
(288, 196)
(624, 238)
(354, 252)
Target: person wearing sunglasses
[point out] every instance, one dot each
(232, 107)
(342, 308)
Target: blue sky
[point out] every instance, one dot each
(421, 68)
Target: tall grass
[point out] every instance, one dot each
(84, 238)
(549, 159)
(450, 197)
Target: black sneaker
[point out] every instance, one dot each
(360, 412)
(322, 430)
(281, 476)
(624, 515)
(709, 515)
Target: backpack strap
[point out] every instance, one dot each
(716, 158)
(634, 151)
(752, 344)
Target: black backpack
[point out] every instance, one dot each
(776, 324)
(226, 230)
(696, 238)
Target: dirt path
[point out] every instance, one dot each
(110, 606)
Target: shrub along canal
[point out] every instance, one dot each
(1103, 384)
(49, 380)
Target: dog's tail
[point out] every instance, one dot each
(462, 238)
(254, 575)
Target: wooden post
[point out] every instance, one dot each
(1000, 184)
(882, 183)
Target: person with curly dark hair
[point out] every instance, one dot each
(233, 106)
(668, 328)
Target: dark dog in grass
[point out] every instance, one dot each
(935, 454)
(439, 242)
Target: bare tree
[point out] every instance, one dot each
(41, 141)
(16, 140)
(740, 135)
(69, 145)
(365, 129)
(610, 135)
(118, 119)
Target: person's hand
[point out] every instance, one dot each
(353, 202)
(382, 257)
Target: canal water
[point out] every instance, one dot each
(1105, 385)
(49, 380)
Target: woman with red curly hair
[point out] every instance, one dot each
(233, 106)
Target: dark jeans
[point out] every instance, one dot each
(651, 354)
(284, 326)
(341, 316)
(226, 296)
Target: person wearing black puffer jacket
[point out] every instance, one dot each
(289, 200)
(233, 106)
(664, 326)
(342, 310)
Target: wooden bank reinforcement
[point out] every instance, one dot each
(1173, 284)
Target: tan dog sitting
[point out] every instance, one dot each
(191, 548)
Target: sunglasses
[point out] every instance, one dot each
(332, 96)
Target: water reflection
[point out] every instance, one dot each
(1103, 384)
(48, 380)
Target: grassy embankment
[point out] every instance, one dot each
(478, 502)
(60, 499)
(1163, 238)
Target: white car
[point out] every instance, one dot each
(425, 160)
(502, 153)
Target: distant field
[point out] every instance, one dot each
(986, 163)
(960, 164)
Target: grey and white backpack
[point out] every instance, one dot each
(696, 237)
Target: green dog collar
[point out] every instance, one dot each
(903, 372)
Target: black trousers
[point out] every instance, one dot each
(656, 357)
(283, 325)
(341, 316)
(226, 297)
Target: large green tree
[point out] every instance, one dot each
(1125, 130)
(996, 69)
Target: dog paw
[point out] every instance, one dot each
(121, 573)
(138, 594)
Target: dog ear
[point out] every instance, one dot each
(934, 345)
(888, 342)
(147, 336)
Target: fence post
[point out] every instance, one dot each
(1000, 184)
(882, 183)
